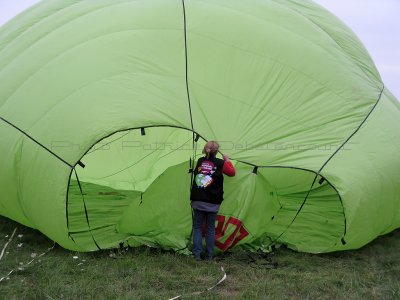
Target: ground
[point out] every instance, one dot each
(372, 272)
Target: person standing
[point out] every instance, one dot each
(207, 195)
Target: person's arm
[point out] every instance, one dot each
(228, 168)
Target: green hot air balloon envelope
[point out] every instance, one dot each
(104, 106)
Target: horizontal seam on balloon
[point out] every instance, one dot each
(140, 160)
(356, 130)
(101, 227)
(247, 104)
(257, 107)
(139, 127)
(27, 79)
(259, 18)
(297, 71)
(82, 88)
(68, 22)
(108, 143)
(312, 79)
(35, 141)
(269, 22)
(335, 41)
(188, 129)
(36, 23)
(311, 128)
(135, 182)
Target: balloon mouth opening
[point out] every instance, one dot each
(124, 175)
(135, 189)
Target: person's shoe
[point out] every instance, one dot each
(210, 257)
(196, 257)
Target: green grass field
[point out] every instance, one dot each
(144, 273)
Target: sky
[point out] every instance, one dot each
(375, 22)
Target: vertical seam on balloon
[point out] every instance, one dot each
(86, 212)
(129, 129)
(357, 129)
(190, 106)
(186, 63)
(36, 141)
(314, 172)
(67, 200)
(66, 207)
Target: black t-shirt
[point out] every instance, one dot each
(208, 181)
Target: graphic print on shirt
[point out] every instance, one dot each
(206, 170)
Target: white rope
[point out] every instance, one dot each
(9, 240)
(209, 289)
(219, 282)
(27, 264)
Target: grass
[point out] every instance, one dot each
(372, 272)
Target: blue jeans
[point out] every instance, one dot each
(199, 218)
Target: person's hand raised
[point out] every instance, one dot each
(225, 157)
